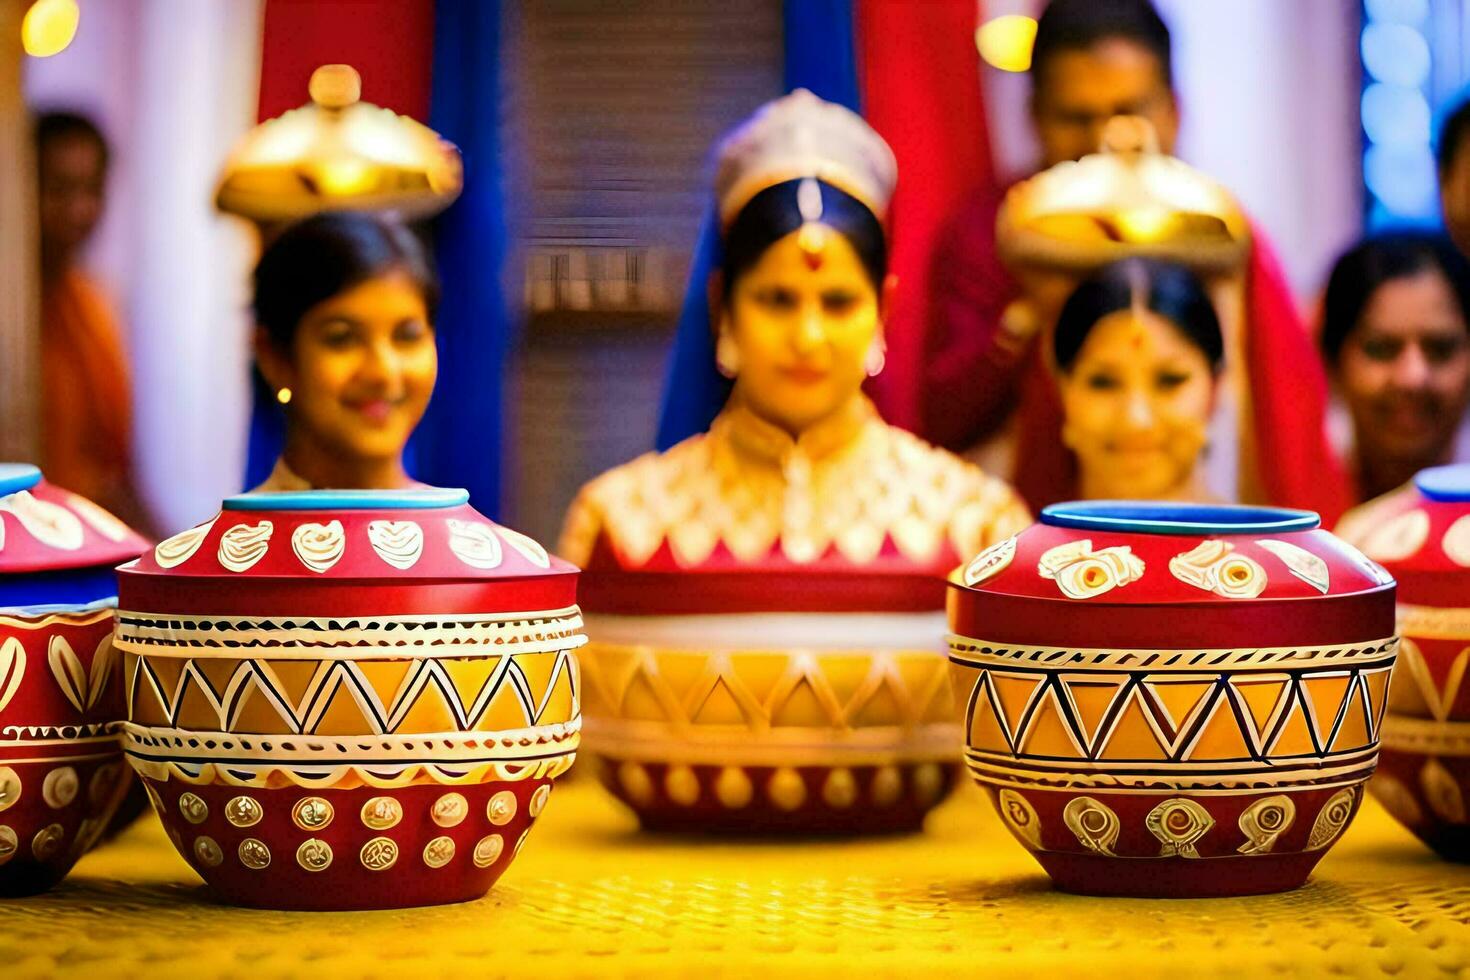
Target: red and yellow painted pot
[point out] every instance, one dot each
(1422, 536)
(1173, 700)
(350, 699)
(62, 773)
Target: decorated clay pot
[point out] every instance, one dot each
(1173, 700)
(350, 699)
(1422, 536)
(62, 773)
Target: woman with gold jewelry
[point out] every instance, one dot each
(763, 598)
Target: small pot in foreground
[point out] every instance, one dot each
(350, 699)
(1173, 700)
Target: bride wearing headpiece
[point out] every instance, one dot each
(799, 521)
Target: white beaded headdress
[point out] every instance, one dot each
(797, 136)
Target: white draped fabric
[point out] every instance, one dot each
(173, 83)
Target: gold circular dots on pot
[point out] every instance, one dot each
(488, 849)
(312, 813)
(502, 808)
(207, 851)
(254, 854)
(381, 813)
(244, 811)
(379, 854)
(439, 852)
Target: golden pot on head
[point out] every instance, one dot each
(338, 153)
(1127, 200)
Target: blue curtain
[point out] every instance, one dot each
(820, 56)
(267, 432)
(821, 53)
(694, 392)
(459, 442)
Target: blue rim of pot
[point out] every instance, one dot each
(1159, 517)
(428, 498)
(1445, 484)
(15, 477)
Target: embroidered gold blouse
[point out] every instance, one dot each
(848, 491)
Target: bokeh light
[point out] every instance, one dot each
(1395, 114)
(1396, 54)
(1411, 12)
(1005, 42)
(49, 27)
(1402, 178)
(1398, 161)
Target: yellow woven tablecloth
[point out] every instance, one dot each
(589, 896)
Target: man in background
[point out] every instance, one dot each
(1093, 60)
(1452, 157)
(86, 397)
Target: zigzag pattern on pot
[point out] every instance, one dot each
(1171, 717)
(1420, 692)
(761, 691)
(349, 697)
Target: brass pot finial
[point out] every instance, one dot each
(335, 86)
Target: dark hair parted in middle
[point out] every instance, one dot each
(1376, 260)
(1076, 25)
(1165, 288)
(774, 213)
(315, 259)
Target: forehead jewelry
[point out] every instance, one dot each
(813, 236)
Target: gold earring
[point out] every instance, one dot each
(727, 358)
(283, 395)
(876, 359)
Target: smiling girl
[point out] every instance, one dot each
(1138, 351)
(344, 307)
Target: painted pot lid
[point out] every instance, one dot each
(348, 552)
(45, 529)
(1095, 574)
(1421, 534)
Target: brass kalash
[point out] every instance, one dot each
(339, 153)
(1128, 200)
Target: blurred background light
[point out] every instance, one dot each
(1396, 54)
(49, 27)
(1398, 157)
(1005, 42)
(1402, 178)
(1395, 114)
(1411, 12)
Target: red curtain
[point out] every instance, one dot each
(920, 81)
(389, 42)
